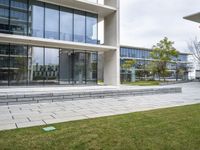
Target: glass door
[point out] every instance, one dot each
(66, 66)
(79, 68)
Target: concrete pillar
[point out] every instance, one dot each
(111, 68)
(111, 37)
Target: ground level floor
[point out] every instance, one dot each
(32, 65)
(142, 74)
(141, 71)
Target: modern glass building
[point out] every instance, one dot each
(195, 18)
(143, 59)
(51, 42)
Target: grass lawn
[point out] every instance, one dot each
(144, 83)
(164, 129)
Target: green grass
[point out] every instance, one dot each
(144, 83)
(164, 129)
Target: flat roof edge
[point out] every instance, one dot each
(150, 49)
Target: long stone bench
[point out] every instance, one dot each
(26, 98)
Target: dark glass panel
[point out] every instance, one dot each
(4, 16)
(18, 65)
(79, 68)
(79, 26)
(66, 66)
(66, 24)
(36, 18)
(91, 28)
(4, 64)
(91, 67)
(19, 17)
(51, 21)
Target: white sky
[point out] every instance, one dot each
(146, 22)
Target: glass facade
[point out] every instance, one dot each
(4, 16)
(91, 28)
(38, 19)
(30, 65)
(66, 24)
(19, 17)
(135, 53)
(143, 59)
(79, 21)
(51, 22)
(144, 54)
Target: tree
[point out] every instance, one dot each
(127, 65)
(194, 48)
(162, 53)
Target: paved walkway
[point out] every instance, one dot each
(26, 115)
(65, 89)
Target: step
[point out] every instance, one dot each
(28, 98)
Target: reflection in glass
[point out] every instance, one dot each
(4, 15)
(79, 68)
(79, 26)
(4, 65)
(66, 24)
(51, 67)
(19, 17)
(91, 67)
(37, 28)
(51, 22)
(66, 66)
(36, 65)
(29, 65)
(91, 28)
(39, 19)
(18, 65)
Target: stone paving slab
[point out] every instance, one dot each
(33, 95)
(65, 119)
(27, 115)
(30, 124)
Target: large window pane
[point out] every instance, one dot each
(66, 24)
(79, 26)
(79, 68)
(18, 65)
(91, 28)
(19, 17)
(66, 66)
(4, 65)
(4, 16)
(91, 67)
(36, 65)
(51, 22)
(37, 18)
(51, 65)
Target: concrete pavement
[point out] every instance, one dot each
(26, 115)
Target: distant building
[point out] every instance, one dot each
(143, 59)
(195, 18)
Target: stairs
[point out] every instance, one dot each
(29, 98)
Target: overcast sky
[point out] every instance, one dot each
(145, 22)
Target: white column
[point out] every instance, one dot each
(112, 68)
(112, 38)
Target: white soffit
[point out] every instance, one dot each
(101, 10)
(40, 42)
